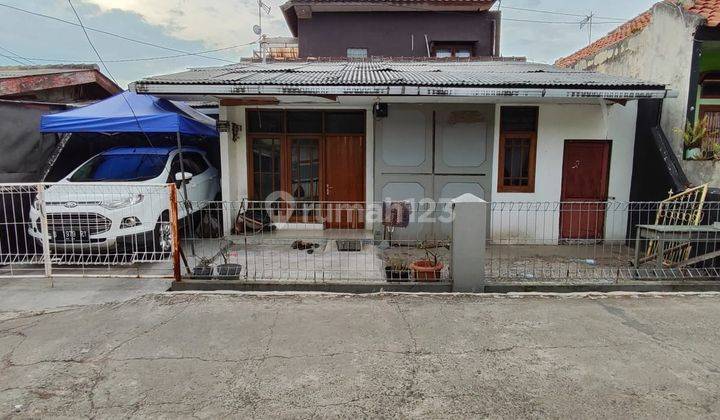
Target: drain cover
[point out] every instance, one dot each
(349, 245)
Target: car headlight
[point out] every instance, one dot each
(123, 202)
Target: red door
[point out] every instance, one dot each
(586, 165)
(345, 181)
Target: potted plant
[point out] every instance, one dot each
(228, 270)
(204, 269)
(699, 140)
(429, 268)
(397, 269)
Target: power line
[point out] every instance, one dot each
(571, 22)
(107, 69)
(574, 22)
(16, 55)
(88, 28)
(552, 12)
(129, 60)
(13, 59)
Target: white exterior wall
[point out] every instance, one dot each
(662, 52)
(557, 123)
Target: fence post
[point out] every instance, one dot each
(44, 231)
(177, 274)
(468, 243)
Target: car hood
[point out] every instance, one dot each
(70, 194)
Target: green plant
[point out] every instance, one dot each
(397, 263)
(697, 135)
(206, 261)
(426, 246)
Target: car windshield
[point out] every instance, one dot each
(119, 168)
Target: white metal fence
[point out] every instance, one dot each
(85, 229)
(108, 229)
(318, 242)
(598, 242)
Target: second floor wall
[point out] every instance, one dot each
(399, 34)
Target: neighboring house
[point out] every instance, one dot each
(678, 44)
(28, 92)
(278, 48)
(350, 131)
(405, 28)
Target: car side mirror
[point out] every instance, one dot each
(182, 176)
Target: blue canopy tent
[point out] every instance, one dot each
(129, 112)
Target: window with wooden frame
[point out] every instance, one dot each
(286, 149)
(264, 166)
(518, 143)
(453, 49)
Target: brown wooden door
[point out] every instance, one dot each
(586, 165)
(303, 177)
(344, 163)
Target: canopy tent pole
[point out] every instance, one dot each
(186, 198)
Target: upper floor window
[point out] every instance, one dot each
(452, 49)
(357, 53)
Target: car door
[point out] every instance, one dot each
(204, 180)
(190, 186)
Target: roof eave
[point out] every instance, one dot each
(559, 92)
(288, 11)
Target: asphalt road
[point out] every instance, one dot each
(297, 356)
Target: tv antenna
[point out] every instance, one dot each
(257, 29)
(589, 22)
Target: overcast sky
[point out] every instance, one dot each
(201, 25)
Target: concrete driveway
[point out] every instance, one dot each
(293, 356)
(37, 294)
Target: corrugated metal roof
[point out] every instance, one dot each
(446, 2)
(398, 73)
(9, 72)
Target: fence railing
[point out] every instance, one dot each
(85, 229)
(107, 229)
(599, 242)
(318, 242)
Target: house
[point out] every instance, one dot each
(28, 92)
(678, 44)
(362, 29)
(365, 130)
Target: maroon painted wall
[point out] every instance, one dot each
(389, 33)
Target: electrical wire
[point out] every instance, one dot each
(107, 69)
(570, 22)
(16, 55)
(88, 28)
(13, 59)
(130, 60)
(551, 12)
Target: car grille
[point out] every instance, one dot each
(93, 223)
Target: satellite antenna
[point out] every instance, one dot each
(257, 29)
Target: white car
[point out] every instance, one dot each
(119, 199)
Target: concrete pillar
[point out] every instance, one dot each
(226, 171)
(468, 243)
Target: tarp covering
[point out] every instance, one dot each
(129, 112)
